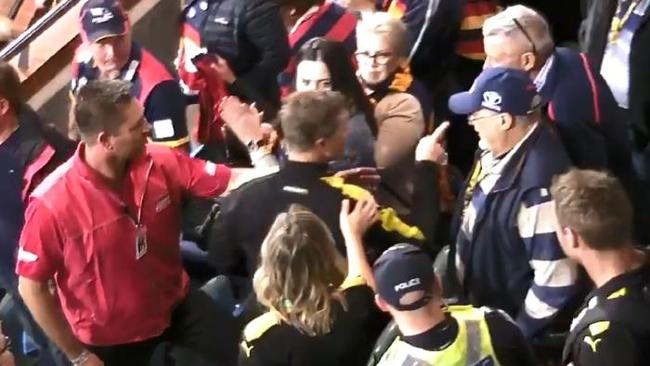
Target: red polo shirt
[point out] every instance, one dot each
(83, 234)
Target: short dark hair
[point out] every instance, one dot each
(10, 88)
(342, 74)
(98, 107)
(309, 116)
(595, 205)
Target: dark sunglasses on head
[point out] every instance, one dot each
(528, 37)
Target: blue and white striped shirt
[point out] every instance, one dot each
(554, 274)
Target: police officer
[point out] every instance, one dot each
(594, 227)
(108, 53)
(407, 288)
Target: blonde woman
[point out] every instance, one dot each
(317, 314)
(400, 104)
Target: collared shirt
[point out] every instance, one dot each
(540, 79)
(615, 67)
(114, 255)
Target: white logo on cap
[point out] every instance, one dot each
(100, 15)
(410, 283)
(492, 100)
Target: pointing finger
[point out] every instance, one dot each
(439, 133)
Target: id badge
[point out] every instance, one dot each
(140, 242)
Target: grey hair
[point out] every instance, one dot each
(382, 23)
(533, 22)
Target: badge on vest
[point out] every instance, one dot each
(140, 242)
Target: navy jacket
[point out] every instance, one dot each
(26, 158)
(586, 115)
(249, 34)
(500, 265)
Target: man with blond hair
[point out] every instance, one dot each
(594, 228)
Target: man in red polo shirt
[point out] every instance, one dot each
(105, 228)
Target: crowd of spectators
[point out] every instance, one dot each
(399, 182)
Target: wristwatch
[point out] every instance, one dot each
(260, 153)
(254, 145)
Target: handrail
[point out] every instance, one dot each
(36, 29)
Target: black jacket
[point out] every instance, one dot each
(247, 214)
(613, 325)
(251, 36)
(32, 152)
(594, 40)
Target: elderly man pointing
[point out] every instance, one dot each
(507, 255)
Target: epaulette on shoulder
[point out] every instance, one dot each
(256, 328)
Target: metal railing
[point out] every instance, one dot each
(36, 29)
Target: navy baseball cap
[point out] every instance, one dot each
(103, 18)
(498, 89)
(401, 270)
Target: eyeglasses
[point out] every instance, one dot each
(381, 58)
(471, 121)
(528, 37)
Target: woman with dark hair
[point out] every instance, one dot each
(325, 65)
(308, 19)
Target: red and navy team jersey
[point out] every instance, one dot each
(415, 15)
(475, 12)
(154, 87)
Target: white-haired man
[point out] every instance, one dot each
(579, 100)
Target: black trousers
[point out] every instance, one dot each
(197, 324)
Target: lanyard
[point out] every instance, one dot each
(620, 18)
(137, 220)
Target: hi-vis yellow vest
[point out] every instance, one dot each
(472, 346)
